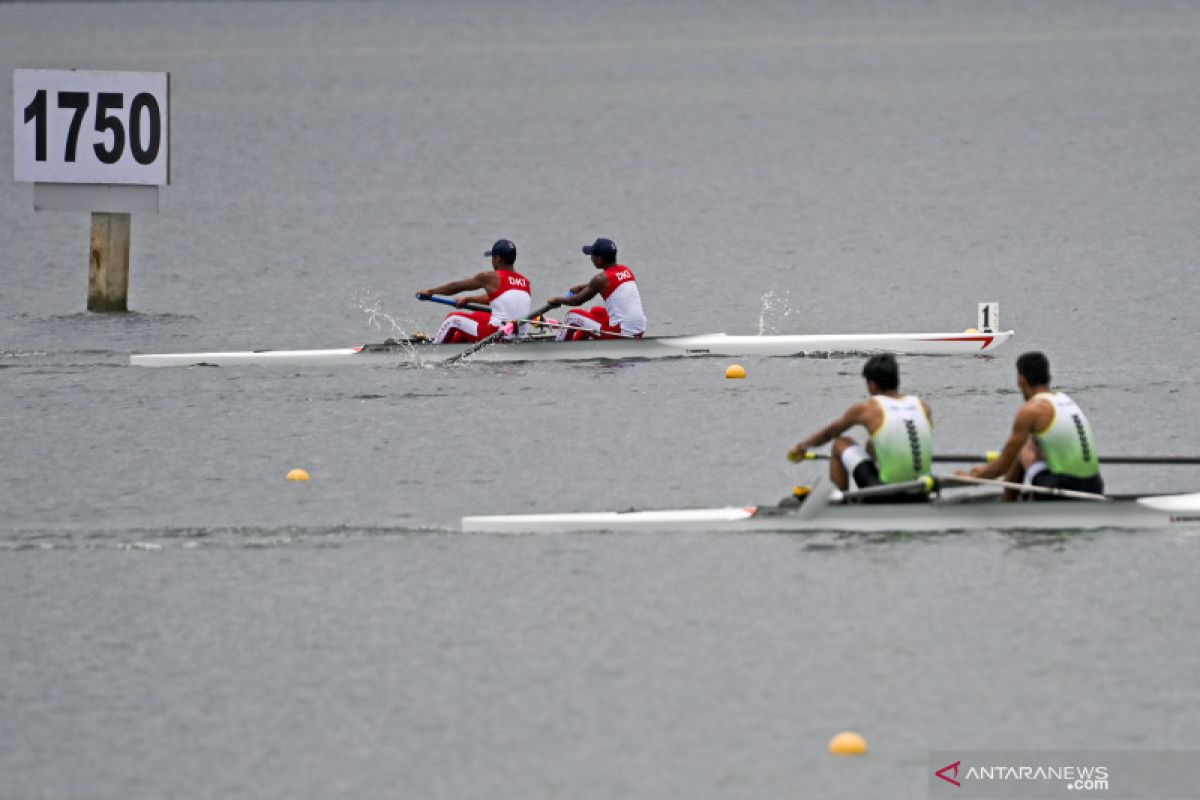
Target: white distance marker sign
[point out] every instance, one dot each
(76, 126)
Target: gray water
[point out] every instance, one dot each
(180, 621)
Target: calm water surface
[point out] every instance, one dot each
(179, 621)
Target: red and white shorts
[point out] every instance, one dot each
(465, 326)
(595, 322)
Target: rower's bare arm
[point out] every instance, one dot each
(454, 287)
(852, 417)
(1023, 427)
(481, 299)
(582, 293)
(928, 413)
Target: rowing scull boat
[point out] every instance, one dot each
(546, 349)
(951, 512)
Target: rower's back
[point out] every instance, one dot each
(903, 442)
(1067, 443)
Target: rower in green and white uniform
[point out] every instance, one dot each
(900, 447)
(1051, 443)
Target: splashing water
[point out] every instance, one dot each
(371, 303)
(776, 308)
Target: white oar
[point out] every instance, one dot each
(558, 324)
(1024, 487)
(925, 484)
(992, 455)
(821, 496)
(824, 494)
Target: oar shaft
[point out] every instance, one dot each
(949, 459)
(926, 484)
(1022, 487)
(450, 301)
(557, 324)
(482, 343)
(964, 458)
(971, 458)
(1150, 459)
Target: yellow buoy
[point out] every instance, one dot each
(297, 475)
(735, 371)
(970, 330)
(848, 743)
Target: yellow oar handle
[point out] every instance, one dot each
(990, 456)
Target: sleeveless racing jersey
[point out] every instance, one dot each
(623, 301)
(511, 300)
(904, 441)
(1067, 444)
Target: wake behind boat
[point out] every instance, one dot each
(985, 339)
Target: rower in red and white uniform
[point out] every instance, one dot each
(621, 314)
(504, 289)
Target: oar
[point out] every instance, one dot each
(925, 483)
(482, 343)
(821, 496)
(450, 301)
(557, 324)
(1023, 487)
(992, 455)
(825, 494)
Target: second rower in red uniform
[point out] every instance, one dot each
(504, 289)
(621, 313)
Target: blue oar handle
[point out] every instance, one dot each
(449, 301)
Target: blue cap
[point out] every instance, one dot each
(505, 250)
(605, 248)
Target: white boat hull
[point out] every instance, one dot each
(948, 515)
(711, 344)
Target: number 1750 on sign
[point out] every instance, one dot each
(74, 126)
